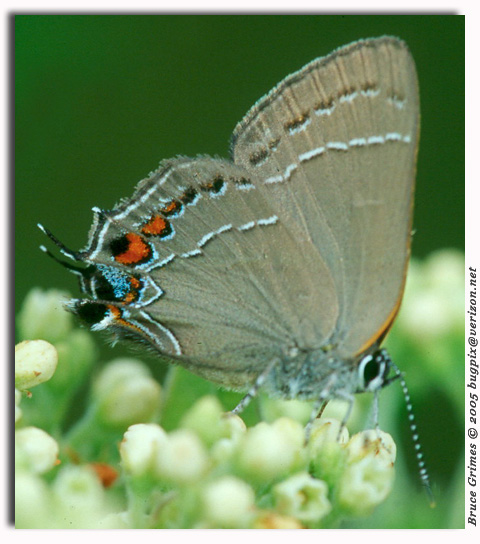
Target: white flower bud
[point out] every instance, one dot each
(233, 426)
(303, 497)
(325, 432)
(228, 503)
(326, 449)
(204, 418)
(43, 316)
(223, 450)
(369, 474)
(270, 450)
(434, 296)
(79, 497)
(126, 393)
(32, 501)
(209, 421)
(182, 458)
(372, 442)
(35, 450)
(140, 447)
(35, 362)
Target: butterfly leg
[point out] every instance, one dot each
(319, 406)
(375, 413)
(350, 399)
(254, 389)
(317, 411)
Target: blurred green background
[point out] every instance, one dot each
(101, 99)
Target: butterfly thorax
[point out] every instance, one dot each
(308, 374)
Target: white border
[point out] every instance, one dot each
(472, 182)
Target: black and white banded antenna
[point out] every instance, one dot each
(74, 255)
(415, 437)
(78, 270)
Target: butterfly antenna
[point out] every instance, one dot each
(63, 248)
(415, 437)
(79, 271)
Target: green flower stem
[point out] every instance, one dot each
(88, 437)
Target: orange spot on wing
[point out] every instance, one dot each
(133, 294)
(137, 250)
(135, 283)
(117, 315)
(171, 207)
(116, 312)
(155, 226)
(130, 297)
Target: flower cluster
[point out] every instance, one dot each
(109, 447)
(228, 475)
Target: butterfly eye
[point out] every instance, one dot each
(372, 372)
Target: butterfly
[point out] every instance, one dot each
(283, 267)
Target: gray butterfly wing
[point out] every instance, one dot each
(334, 146)
(302, 242)
(213, 299)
